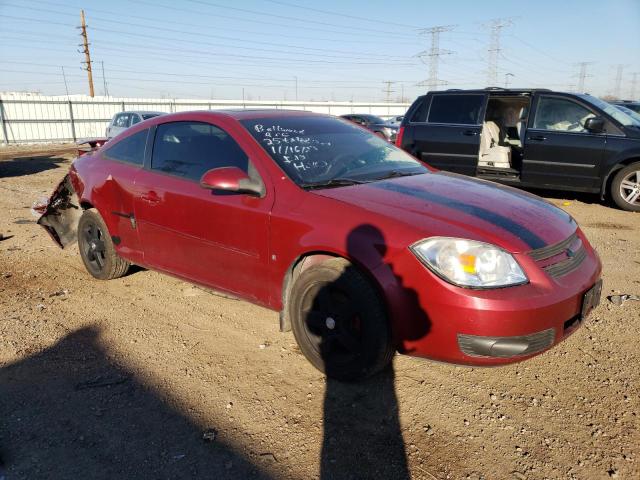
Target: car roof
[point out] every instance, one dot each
(144, 112)
(244, 114)
(498, 90)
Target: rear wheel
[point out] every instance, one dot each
(625, 188)
(96, 248)
(339, 321)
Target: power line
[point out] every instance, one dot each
(339, 14)
(496, 25)
(434, 54)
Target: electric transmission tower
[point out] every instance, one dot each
(618, 84)
(496, 25)
(582, 75)
(387, 90)
(634, 84)
(433, 55)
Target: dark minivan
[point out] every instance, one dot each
(529, 138)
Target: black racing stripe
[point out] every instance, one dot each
(503, 222)
(529, 198)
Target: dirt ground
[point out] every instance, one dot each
(149, 377)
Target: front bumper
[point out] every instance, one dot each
(434, 319)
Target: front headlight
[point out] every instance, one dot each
(468, 263)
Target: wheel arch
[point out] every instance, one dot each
(308, 259)
(605, 189)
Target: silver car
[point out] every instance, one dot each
(123, 120)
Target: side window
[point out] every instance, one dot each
(561, 114)
(135, 118)
(189, 149)
(456, 109)
(130, 149)
(420, 113)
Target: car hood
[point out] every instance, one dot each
(447, 204)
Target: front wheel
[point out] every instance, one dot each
(625, 188)
(96, 248)
(339, 321)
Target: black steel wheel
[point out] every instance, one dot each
(96, 248)
(339, 321)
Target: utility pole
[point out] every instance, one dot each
(104, 80)
(388, 90)
(618, 84)
(634, 84)
(434, 54)
(64, 77)
(87, 55)
(582, 75)
(496, 25)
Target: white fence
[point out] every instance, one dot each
(35, 118)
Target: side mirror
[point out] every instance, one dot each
(231, 179)
(594, 125)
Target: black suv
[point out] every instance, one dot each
(529, 138)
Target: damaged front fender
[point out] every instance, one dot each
(61, 213)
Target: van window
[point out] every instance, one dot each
(456, 109)
(130, 149)
(189, 149)
(561, 114)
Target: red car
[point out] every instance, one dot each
(364, 250)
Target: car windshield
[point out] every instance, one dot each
(326, 152)
(609, 109)
(631, 113)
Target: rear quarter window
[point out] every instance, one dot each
(455, 109)
(130, 149)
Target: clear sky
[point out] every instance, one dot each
(332, 49)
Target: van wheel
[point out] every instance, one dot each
(625, 188)
(339, 321)
(96, 248)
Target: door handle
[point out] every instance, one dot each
(150, 197)
(538, 138)
(469, 133)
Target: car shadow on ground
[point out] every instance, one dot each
(71, 411)
(362, 435)
(21, 166)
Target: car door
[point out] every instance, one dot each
(212, 238)
(121, 162)
(446, 132)
(558, 150)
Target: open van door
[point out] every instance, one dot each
(445, 131)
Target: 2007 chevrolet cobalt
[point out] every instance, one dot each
(363, 249)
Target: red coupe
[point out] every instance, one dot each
(363, 249)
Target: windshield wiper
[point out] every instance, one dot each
(334, 182)
(397, 173)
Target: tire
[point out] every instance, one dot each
(339, 321)
(625, 185)
(96, 248)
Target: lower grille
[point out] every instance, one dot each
(506, 347)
